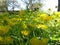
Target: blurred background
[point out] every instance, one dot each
(15, 5)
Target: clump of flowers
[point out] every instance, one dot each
(42, 26)
(4, 29)
(25, 32)
(30, 28)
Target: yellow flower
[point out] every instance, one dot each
(22, 12)
(49, 18)
(35, 41)
(42, 26)
(4, 29)
(58, 20)
(14, 21)
(57, 13)
(8, 39)
(43, 16)
(5, 18)
(20, 19)
(53, 16)
(30, 25)
(36, 19)
(1, 39)
(11, 23)
(44, 41)
(24, 26)
(25, 32)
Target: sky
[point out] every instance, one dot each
(20, 3)
(46, 5)
(49, 4)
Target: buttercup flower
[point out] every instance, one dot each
(49, 18)
(57, 13)
(36, 19)
(25, 32)
(8, 39)
(53, 16)
(24, 26)
(1, 39)
(35, 41)
(58, 20)
(42, 26)
(14, 21)
(4, 29)
(43, 16)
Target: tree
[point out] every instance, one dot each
(35, 6)
(3, 5)
(14, 4)
(32, 4)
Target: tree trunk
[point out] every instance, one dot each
(30, 2)
(58, 5)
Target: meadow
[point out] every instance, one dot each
(30, 28)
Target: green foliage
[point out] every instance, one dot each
(30, 28)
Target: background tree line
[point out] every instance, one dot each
(30, 4)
